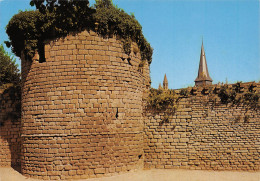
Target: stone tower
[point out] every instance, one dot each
(203, 73)
(82, 109)
(165, 83)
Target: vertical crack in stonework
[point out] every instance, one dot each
(116, 113)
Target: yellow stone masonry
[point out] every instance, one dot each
(82, 109)
(83, 115)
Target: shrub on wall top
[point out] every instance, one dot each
(162, 100)
(237, 95)
(53, 18)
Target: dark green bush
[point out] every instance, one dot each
(226, 95)
(9, 72)
(53, 18)
(24, 32)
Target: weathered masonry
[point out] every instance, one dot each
(10, 127)
(82, 109)
(83, 116)
(203, 134)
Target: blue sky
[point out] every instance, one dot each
(230, 31)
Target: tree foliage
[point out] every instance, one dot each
(113, 20)
(68, 15)
(104, 4)
(56, 18)
(24, 31)
(9, 72)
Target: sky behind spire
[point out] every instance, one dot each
(230, 31)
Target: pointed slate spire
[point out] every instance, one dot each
(203, 73)
(165, 83)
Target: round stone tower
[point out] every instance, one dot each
(82, 108)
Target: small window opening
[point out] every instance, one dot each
(41, 52)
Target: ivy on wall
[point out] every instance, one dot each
(237, 95)
(162, 100)
(165, 100)
(28, 30)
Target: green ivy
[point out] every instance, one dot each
(227, 95)
(237, 95)
(28, 30)
(162, 100)
(184, 92)
(166, 100)
(127, 46)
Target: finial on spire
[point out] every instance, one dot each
(165, 83)
(203, 77)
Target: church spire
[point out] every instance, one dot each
(203, 73)
(160, 86)
(165, 83)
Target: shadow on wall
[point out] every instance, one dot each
(10, 127)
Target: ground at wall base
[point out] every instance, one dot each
(9, 174)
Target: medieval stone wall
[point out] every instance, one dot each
(10, 127)
(83, 116)
(203, 134)
(82, 109)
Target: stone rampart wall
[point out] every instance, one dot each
(10, 127)
(83, 117)
(203, 134)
